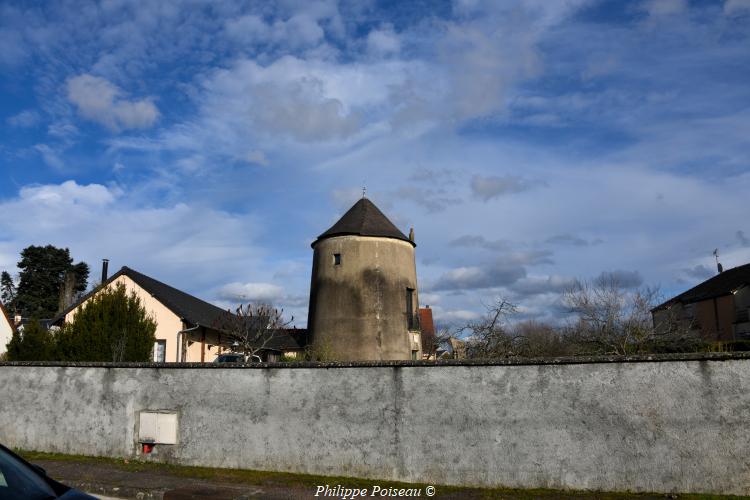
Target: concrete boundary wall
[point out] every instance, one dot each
(657, 423)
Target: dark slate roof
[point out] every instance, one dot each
(288, 339)
(191, 309)
(364, 219)
(721, 284)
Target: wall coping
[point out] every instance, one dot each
(577, 360)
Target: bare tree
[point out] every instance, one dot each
(537, 339)
(489, 336)
(611, 319)
(432, 341)
(253, 327)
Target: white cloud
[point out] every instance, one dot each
(736, 6)
(69, 193)
(99, 100)
(487, 188)
(251, 292)
(475, 277)
(50, 156)
(454, 315)
(657, 8)
(24, 119)
(290, 97)
(537, 285)
(186, 245)
(383, 42)
(624, 279)
(257, 157)
(300, 30)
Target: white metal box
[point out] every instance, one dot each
(157, 427)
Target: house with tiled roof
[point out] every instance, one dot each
(6, 329)
(719, 308)
(188, 329)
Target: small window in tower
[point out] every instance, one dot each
(337, 259)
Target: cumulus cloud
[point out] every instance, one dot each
(103, 102)
(657, 8)
(264, 292)
(487, 188)
(624, 279)
(50, 156)
(736, 6)
(432, 200)
(69, 193)
(300, 30)
(743, 240)
(571, 239)
(454, 316)
(383, 42)
(24, 119)
(538, 285)
(189, 246)
(480, 242)
(305, 100)
(699, 272)
(257, 157)
(475, 277)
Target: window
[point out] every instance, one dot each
(337, 259)
(160, 351)
(411, 317)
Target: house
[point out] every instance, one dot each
(6, 329)
(188, 329)
(428, 333)
(718, 308)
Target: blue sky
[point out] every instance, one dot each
(207, 143)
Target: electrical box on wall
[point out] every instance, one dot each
(158, 427)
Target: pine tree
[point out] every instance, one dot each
(42, 275)
(7, 291)
(111, 326)
(33, 344)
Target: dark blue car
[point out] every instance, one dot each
(21, 480)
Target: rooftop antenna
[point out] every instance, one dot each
(718, 264)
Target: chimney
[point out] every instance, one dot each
(720, 267)
(411, 234)
(105, 266)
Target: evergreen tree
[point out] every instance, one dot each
(7, 291)
(33, 344)
(111, 326)
(42, 275)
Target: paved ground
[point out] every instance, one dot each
(122, 481)
(147, 481)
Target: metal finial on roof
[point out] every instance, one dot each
(364, 190)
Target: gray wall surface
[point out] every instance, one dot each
(671, 426)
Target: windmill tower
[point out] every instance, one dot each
(363, 291)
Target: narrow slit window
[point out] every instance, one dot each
(411, 317)
(337, 259)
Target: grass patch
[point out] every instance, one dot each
(309, 482)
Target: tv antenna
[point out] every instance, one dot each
(719, 267)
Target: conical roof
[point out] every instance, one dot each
(364, 219)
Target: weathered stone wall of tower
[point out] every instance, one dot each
(358, 308)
